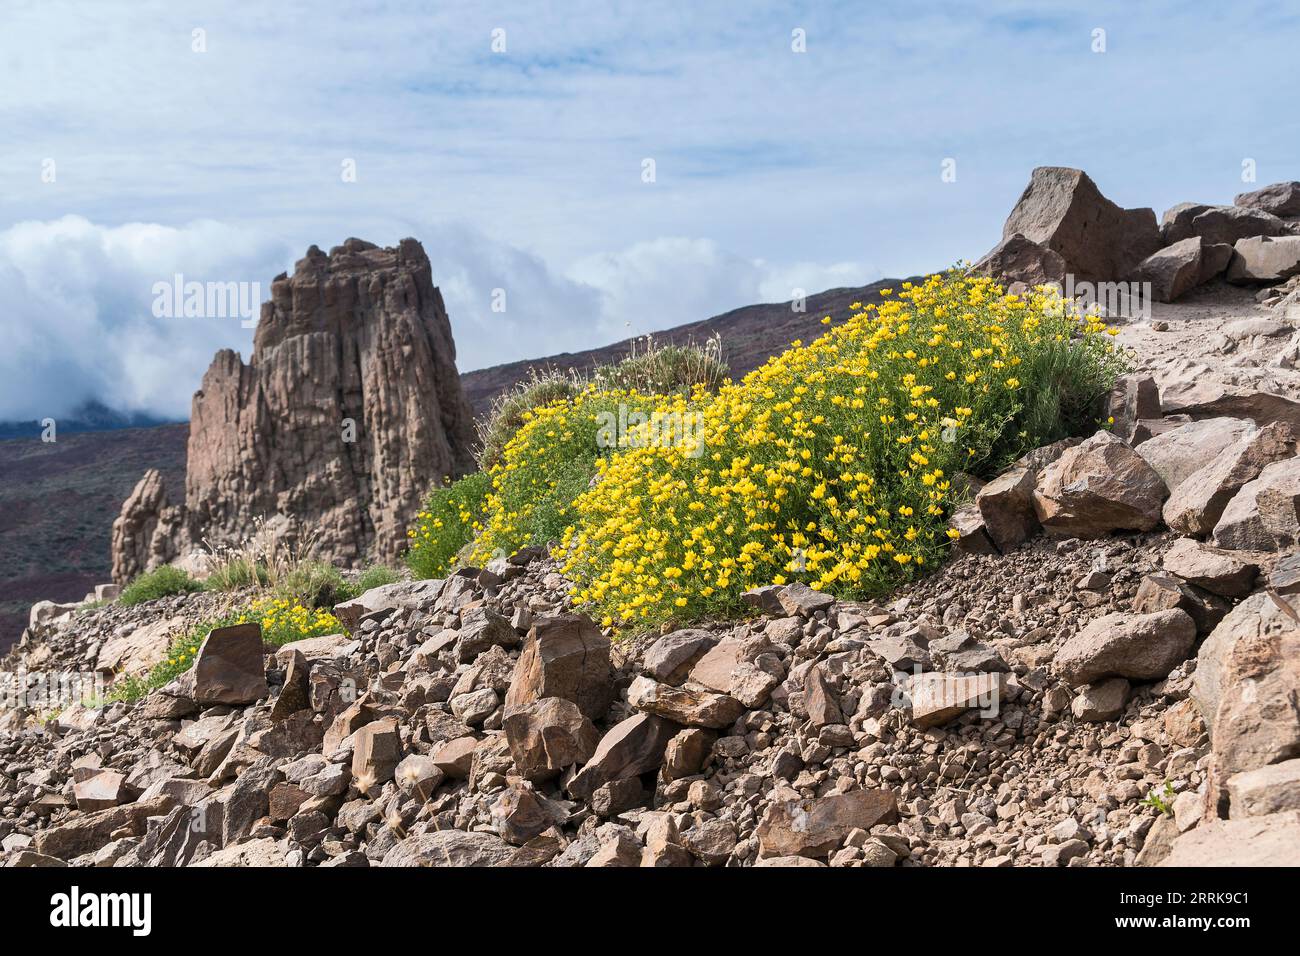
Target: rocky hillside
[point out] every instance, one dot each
(1105, 673)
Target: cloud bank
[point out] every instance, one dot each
(82, 326)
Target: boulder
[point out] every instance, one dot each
(376, 753)
(1163, 592)
(669, 659)
(101, 791)
(793, 826)
(630, 748)
(418, 776)
(136, 651)
(86, 832)
(1219, 572)
(1219, 224)
(1134, 399)
(938, 697)
(1285, 576)
(1264, 260)
(687, 752)
(386, 597)
(519, 815)
(449, 848)
(1140, 647)
(1017, 259)
(1278, 199)
(1102, 701)
(1179, 453)
(1247, 685)
(295, 694)
(1006, 505)
(1063, 210)
(1199, 394)
(747, 669)
(549, 736)
(1271, 789)
(972, 536)
(688, 706)
(260, 853)
(1272, 840)
(1174, 270)
(1099, 486)
(799, 599)
(567, 656)
(481, 628)
(1265, 514)
(229, 668)
(455, 757)
(1196, 504)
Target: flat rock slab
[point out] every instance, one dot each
(817, 827)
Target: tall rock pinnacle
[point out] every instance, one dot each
(349, 408)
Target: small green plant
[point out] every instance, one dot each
(375, 576)
(654, 369)
(1162, 801)
(449, 520)
(162, 582)
(509, 409)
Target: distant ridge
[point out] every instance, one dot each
(750, 336)
(92, 416)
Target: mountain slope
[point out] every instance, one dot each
(750, 335)
(57, 505)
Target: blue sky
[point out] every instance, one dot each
(522, 169)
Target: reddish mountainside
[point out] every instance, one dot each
(750, 335)
(57, 504)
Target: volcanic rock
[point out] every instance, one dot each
(350, 404)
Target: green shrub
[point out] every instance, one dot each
(162, 582)
(653, 369)
(549, 463)
(509, 408)
(375, 576)
(448, 521)
(833, 463)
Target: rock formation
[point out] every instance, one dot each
(349, 408)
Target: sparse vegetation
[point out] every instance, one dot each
(450, 518)
(271, 561)
(161, 582)
(540, 446)
(1162, 800)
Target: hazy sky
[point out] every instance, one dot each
(220, 155)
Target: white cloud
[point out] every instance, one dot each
(79, 300)
(670, 281)
(80, 325)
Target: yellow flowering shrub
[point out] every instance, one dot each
(450, 518)
(550, 461)
(284, 620)
(834, 463)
